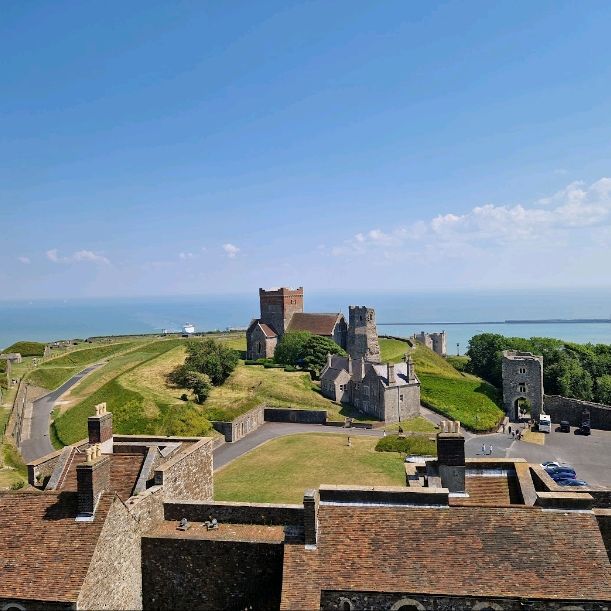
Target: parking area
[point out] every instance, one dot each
(590, 455)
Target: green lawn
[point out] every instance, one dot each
(140, 403)
(392, 350)
(457, 395)
(280, 471)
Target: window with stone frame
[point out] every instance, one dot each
(521, 387)
(366, 390)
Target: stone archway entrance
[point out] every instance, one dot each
(522, 408)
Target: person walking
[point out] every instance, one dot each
(483, 448)
(491, 447)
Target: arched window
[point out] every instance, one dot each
(345, 604)
(13, 607)
(408, 604)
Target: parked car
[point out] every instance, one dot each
(554, 463)
(584, 429)
(562, 476)
(565, 427)
(560, 470)
(571, 482)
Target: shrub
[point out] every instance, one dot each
(290, 368)
(419, 445)
(212, 358)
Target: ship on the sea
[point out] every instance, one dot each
(188, 328)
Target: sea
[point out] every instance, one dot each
(402, 313)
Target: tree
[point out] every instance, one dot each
(200, 384)
(603, 389)
(316, 350)
(212, 358)
(291, 348)
(485, 353)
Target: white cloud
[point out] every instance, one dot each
(24, 260)
(552, 220)
(79, 256)
(186, 255)
(230, 250)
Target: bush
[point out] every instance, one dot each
(290, 368)
(211, 358)
(419, 445)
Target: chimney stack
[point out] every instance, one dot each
(411, 376)
(100, 428)
(92, 479)
(349, 365)
(390, 369)
(328, 359)
(310, 517)
(451, 456)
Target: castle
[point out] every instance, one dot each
(437, 342)
(281, 310)
(128, 522)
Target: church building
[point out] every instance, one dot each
(282, 311)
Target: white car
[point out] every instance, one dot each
(553, 463)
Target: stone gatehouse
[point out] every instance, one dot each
(522, 379)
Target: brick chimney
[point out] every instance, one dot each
(310, 517)
(92, 479)
(451, 456)
(100, 428)
(390, 369)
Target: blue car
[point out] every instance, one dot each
(558, 476)
(560, 471)
(571, 482)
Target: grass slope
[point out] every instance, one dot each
(26, 348)
(252, 385)
(279, 471)
(137, 404)
(54, 372)
(457, 395)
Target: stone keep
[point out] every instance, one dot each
(522, 379)
(362, 341)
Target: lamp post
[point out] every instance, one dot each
(457, 349)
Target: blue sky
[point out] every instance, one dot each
(204, 147)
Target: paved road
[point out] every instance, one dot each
(39, 443)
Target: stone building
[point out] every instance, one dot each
(75, 541)
(389, 392)
(12, 357)
(437, 342)
(281, 310)
(522, 380)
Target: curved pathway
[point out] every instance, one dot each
(39, 443)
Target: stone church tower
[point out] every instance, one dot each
(278, 307)
(362, 341)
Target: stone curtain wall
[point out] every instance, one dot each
(333, 599)
(180, 573)
(564, 408)
(236, 513)
(303, 416)
(241, 426)
(114, 579)
(188, 476)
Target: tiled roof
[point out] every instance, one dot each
(461, 551)
(318, 324)
(44, 552)
(124, 471)
(488, 490)
(268, 331)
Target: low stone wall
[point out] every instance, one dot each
(236, 513)
(564, 408)
(240, 426)
(301, 416)
(147, 507)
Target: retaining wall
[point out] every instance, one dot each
(302, 416)
(240, 426)
(564, 408)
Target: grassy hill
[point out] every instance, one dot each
(457, 395)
